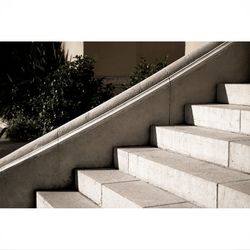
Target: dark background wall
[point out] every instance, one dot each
(120, 58)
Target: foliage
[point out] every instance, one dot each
(69, 92)
(48, 91)
(144, 69)
(23, 65)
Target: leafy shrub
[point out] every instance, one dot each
(23, 66)
(64, 94)
(71, 91)
(144, 69)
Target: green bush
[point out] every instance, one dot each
(144, 69)
(54, 99)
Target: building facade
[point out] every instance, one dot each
(116, 60)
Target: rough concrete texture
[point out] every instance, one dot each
(90, 181)
(198, 179)
(234, 93)
(34, 176)
(202, 143)
(234, 195)
(232, 118)
(136, 194)
(63, 200)
(240, 155)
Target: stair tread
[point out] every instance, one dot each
(202, 169)
(136, 192)
(223, 106)
(55, 199)
(106, 176)
(206, 132)
(241, 186)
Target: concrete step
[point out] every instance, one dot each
(233, 118)
(234, 195)
(63, 200)
(234, 93)
(112, 188)
(240, 156)
(207, 144)
(194, 180)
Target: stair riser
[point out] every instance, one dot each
(229, 198)
(122, 156)
(239, 157)
(90, 188)
(172, 180)
(233, 93)
(245, 121)
(203, 148)
(225, 119)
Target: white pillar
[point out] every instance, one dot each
(73, 49)
(191, 46)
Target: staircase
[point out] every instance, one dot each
(203, 163)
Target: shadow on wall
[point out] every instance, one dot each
(120, 58)
(116, 61)
(6, 147)
(222, 94)
(221, 97)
